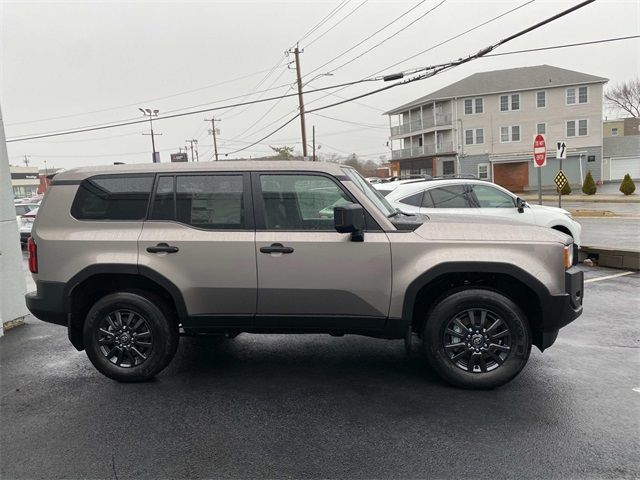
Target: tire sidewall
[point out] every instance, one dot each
(463, 300)
(163, 330)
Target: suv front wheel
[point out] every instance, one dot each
(128, 337)
(477, 339)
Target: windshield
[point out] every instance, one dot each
(371, 193)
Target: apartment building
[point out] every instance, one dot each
(484, 125)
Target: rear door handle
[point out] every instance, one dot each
(276, 248)
(162, 248)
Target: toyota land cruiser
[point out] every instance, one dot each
(130, 257)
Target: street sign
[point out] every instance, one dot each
(179, 157)
(560, 180)
(539, 151)
(561, 150)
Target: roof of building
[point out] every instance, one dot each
(627, 146)
(81, 173)
(509, 80)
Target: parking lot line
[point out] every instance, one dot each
(598, 279)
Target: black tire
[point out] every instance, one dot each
(163, 337)
(498, 367)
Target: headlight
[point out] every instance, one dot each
(568, 256)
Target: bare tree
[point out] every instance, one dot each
(625, 97)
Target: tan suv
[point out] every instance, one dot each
(130, 257)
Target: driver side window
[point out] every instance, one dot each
(300, 202)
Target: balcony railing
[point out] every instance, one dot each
(426, 122)
(445, 147)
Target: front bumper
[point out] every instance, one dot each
(560, 310)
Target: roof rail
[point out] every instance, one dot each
(453, 176)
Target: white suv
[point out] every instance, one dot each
(464, 196)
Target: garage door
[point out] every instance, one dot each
(512, 176)
(621, 166)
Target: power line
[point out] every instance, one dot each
(336, 24)
(352, 123)
(118, 107)
(387, 38)
(566, 45)
(325, 19)
(176, 115)
(367, 38)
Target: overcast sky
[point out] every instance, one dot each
(76, 64)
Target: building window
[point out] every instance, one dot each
(504, 134)
(571, 96)
(473, 105)
(504, 103)
(583, 95)
(472, 137)
(468, 137)
(483, 171)
(479, 104)
(515, 133)
(510, 134)
(582, 128)
(448, 167)
(468, 106)
(541, 99)
(541, 128)
(515, 101)
(571, 128)
(614, 132)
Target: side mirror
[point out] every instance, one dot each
(349, 218)
(520, 204)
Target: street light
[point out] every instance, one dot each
(147, 112)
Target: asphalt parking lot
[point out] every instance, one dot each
(316, 406)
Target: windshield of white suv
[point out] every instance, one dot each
(371, 193)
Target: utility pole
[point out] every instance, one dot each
(212, 131)
(296, 51)
(314, 143)
(147, 112)
(26, 160)
(192, 142)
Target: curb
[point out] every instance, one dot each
(6, 326)
(611, 257)
(583, 198)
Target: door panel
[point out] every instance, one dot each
(201, 238)
(325, 274)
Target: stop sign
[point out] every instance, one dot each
(539, 151)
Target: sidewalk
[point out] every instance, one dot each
(580, 197)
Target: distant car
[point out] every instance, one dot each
(25, 225)
(464, 196)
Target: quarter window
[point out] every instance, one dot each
(122, 197)
(300, 202)
(414, 200)
(451, 196)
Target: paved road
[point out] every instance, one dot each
(315, 406)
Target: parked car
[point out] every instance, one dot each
(26, 224)
(128, 257)
(479, 197)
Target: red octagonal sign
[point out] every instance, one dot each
(539, 151)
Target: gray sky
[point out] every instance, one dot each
(68, 59)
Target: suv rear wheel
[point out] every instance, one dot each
(477, 339)
(128, 337)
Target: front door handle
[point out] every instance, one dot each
(162, 248)
(276, 248)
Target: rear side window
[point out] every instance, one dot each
(414, 200)
(211, 202)
(122, 197)
(451, 196)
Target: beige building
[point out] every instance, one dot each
(24, 181)
(621, 127)
(484, 125)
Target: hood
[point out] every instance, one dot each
(544, 208)
(442, 227)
